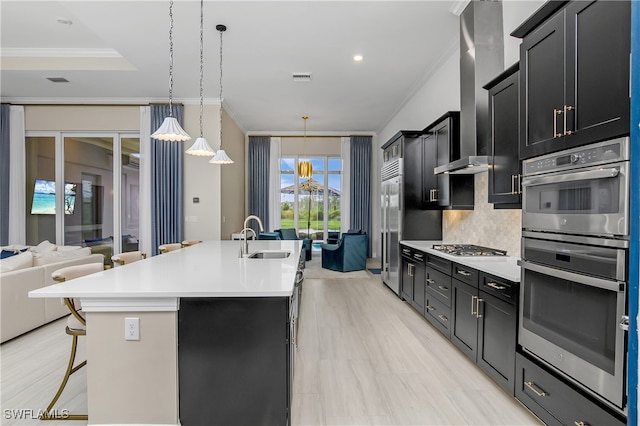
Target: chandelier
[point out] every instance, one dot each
(305, 169)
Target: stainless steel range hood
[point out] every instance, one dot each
(481, 59)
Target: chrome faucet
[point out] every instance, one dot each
(245, 245)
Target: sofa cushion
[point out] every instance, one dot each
(43, 247)
(68, 248)
(14, 263)
(58, 256)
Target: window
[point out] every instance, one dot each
(312, 206)
(82, 189)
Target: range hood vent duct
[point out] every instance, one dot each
(481, 59)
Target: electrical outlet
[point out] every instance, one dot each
(132, 329)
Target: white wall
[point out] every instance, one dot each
(441, 93)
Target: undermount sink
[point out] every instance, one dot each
(269, 254)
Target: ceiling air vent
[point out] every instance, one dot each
(58, 79)
(301, 77)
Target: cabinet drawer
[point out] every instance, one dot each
(465, 274)
(406, 251)
(418, 256)
(439, 286)
(438, 314)
(499, 287)
(442, 265)
(555, 401)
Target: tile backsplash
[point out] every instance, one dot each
(484, 225)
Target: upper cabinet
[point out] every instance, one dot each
(441, 145)
(574, 76)
(504, 163)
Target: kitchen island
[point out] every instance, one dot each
(214, 336)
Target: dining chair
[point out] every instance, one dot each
(76, 326)
(187, 243)
(166, 248)
(128, 257)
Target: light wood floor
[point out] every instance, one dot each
(364, 358)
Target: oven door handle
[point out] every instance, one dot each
(591, 174)
(565, 275)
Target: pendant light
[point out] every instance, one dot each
(200, 147)
(221, 157)
(305, 169)
(170, 129)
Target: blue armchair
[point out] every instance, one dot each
(350, 254)
(292, 234)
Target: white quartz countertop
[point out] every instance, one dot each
(209, 269)
(501, 266)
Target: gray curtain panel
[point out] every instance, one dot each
(5, 147)
(259, 153)
(166, 182)
(361, 185)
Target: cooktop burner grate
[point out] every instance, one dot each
(468, 250)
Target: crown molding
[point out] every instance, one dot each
(104, 101)
(25, 52)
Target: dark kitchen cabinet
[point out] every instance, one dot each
(413, 278)
(484, 326)
(555, 401)
(504, 162)
(574, 76)
(235, 361)
(441, 142)
(464, 330)
(437, 306)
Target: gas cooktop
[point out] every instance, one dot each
(468, 250)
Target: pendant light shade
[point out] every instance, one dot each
(170, 129)
(200, 147)
(305, 168)
(221, 157)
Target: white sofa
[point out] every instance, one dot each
(19, 313)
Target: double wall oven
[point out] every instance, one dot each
(573, 298)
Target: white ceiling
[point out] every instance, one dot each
(118, 52)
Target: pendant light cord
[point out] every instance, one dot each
(221, 31)
(201, 64)
(171, 58)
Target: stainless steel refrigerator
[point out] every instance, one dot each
(402, 217)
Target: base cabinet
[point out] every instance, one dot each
(485, 323)
(235, 361)
(555, 401)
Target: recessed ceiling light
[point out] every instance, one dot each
(64, 21)
(358, 58)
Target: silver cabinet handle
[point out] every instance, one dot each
(443, 288)
(430, 308)
(532, 386)
(430, 281)
(555, 123)
(443, 318)
(478, 301)
(581, 424)
(473, 305)
(519, 191)
(496, 286)
(410, 268)
(567, 108)
(463, 273)
(624, 323)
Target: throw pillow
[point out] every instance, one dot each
(59, 256)
(8, 253)
(43, 247)
(14, 263)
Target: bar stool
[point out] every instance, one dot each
(166, 248)
(128, 257)
(187, 243)
(76, 326)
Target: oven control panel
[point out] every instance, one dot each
(589, 155)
